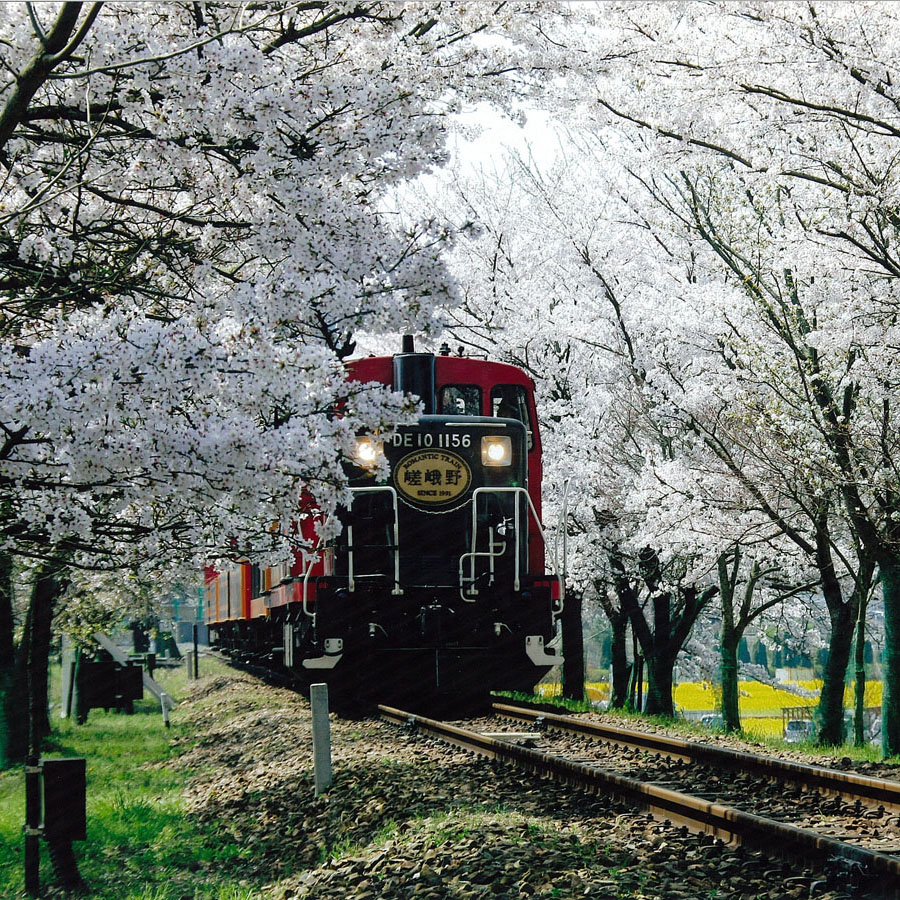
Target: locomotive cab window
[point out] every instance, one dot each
(460, 400)
(510, 401)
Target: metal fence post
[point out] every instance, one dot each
(165, 701)
(321, 732)
(32, 826)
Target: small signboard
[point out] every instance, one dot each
(65, 792)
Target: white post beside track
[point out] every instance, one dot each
(321, 733)
(68, 677)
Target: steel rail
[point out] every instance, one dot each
(847, 784)
(725, 822)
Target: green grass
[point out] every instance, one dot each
(141, 845)
(552, 699)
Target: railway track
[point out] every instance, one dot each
(816, 778)
(758, 801)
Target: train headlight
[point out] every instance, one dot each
(368, 452)
(496, 451)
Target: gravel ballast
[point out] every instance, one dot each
(412, 817)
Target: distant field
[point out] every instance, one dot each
(760, 704)
(755, 699)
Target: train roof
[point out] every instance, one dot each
(449, 369)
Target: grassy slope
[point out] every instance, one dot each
(140, 844)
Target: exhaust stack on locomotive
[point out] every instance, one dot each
(436, 585)
(414, 374)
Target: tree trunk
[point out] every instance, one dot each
(621, 668)
(843, 615)
(660, 645)
(859, 687)
(7, 657)
(7, 620)
(728, 647)
(890, 699)
(636, 688)
(25, 706)
(636, 677)
(573, 649)
(49, 584)
(831, 700)
(623, 672)
(15, 701)
(730, 637)
(660, 670)
(6, 738)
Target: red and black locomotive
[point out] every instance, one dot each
(437, 584)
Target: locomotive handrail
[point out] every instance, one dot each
(474, 553)
(397, 591)
(306, 574)
(491, 553)
(543, 534)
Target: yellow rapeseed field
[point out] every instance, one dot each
(755, 699)
(694, 696)
(760, 704)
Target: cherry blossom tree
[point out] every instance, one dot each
(771, 128)
(678, 443)
(738, 614)
(747, 383)
(191, 233)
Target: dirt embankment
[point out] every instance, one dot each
(408, 816)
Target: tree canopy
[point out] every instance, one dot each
(191, 236)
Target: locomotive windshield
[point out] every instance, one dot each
(510, 401)
(460, 400)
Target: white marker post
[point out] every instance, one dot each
(321, 732)
(69, 663)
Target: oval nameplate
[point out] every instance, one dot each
(432, 477)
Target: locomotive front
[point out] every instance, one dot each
(436, 585)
